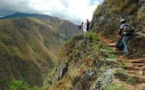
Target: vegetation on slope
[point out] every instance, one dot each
(29, 49)
(86, 63)
(110, 7)
(81, 56)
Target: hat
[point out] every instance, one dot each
(122, 20)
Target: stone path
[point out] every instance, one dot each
(134, 67)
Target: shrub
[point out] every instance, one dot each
(6, 41)
(46, 43)
(20, 85)
(92, 36)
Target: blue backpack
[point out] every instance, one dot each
(119, 44)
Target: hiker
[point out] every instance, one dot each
(122, 25)
(81, 27)
(125, 33)
(119, 44)
(87, 24)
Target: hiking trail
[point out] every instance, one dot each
(134, 67)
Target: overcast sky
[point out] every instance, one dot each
(76, 11)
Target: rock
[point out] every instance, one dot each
(60, 72)
(103, 80)
(83, 82)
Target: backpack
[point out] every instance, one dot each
(80, 27)
(119, 44)
(128, 30)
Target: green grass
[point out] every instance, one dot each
(110, 7)
(21, 85)
(132, 80)
(92, 36)
(110, 87)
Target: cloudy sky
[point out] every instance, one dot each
(76, 11)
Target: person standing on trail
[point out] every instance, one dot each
(87, 24)
(125, 33)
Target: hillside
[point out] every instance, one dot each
(91, 62)
(106, 20)
(29, 48)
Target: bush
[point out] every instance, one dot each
(92, 36)
(20, 85)
(6, 41)
(46, 43)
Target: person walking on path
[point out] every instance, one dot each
(126, 32)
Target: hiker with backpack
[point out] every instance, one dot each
(119, 44)
(81, 27)
(126, 32)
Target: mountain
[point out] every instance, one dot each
(29, 47)
(23, 15)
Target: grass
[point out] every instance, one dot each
(30, 41)
(141, 15)
(117, 86)
(21, 85)
(108, 50)
(110, 7)
(122, 63)
(139, 53)
(29, 38)
(92, 36)
(110, 87)
(132, 80)
(98, 10)
(63, 84)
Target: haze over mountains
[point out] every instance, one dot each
(30, 45)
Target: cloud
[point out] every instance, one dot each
(76, 11)
(9, 7)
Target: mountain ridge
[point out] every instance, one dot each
(29, 48)
(23, 15)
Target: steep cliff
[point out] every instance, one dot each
(83, 64)
(29, 48)
(86, 63)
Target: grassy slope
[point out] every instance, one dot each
(22, 36)
(110, 7)
(28, 42)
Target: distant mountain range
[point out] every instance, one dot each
(30, 46)
(23, 15)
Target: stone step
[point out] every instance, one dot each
(140, 78)
(130, 78)
(138, 60)
(138, 64)
(136, 72)
(118, 53)
(131, 68)
(111, 44)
